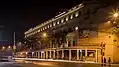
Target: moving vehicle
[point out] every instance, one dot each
(6, 59)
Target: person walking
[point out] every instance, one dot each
(104, 61)
(109, 61)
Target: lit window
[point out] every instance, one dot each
(76, 28)
(62, 20)
(71, 17)
(76, 15)
(54, 24)
(38, 30)
(58, 22)
(45, 27)
(50, 25)
(67, 18)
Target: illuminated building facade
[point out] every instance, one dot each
(83, 33)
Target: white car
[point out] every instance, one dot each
(6, 59)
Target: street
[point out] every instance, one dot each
(51, 64)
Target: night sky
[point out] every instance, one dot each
(20, 16)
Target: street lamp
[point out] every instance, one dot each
(115, 15)
(9, 46)
(44, 35)
(3, 47)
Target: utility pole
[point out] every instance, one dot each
(14, 46)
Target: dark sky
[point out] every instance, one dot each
(20, 16)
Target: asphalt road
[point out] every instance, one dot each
(50, 64)
(64, 64)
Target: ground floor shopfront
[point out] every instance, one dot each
(69, 54)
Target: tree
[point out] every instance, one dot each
(31, 42)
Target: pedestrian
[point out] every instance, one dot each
(101, 61)
(104, 61)
(109, 61)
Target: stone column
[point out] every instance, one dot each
(69, 54)
(81, 55)
(96, 57)
(38, 54)
(46, 54)
(86, 54)
(54, 54)
(50, 54)
(77, 54)
(41, 55)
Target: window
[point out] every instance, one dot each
(67, 18)
(57, 22)
(76, 14)
(69, 43)
(74, 43)
(62, 20)
(45, 27)
(38, 30)
(83, 53)
(54, 24)
(79, 12)
(50, 25)
(71, 17)
(41, 29)
(91, 53)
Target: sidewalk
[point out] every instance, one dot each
(52, 60)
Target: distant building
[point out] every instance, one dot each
(83, 33)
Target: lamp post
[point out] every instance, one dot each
(14, 46)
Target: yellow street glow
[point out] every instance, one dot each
(44, 34)
(115, 15)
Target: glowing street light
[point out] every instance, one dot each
(21, 53)
(115, 15)
(26, 52)
(44, 35)
(3, 47)
(9, 46)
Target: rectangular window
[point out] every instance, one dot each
(69, 43)
(91, 53)
(83, 53)
(74, 43)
